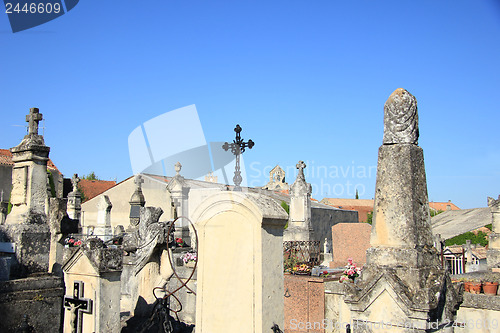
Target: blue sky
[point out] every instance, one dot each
(307, 80)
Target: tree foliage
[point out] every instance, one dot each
(369, 218)
(480, 238)
(90, 176)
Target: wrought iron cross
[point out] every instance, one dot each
(33, 119)
(77, 305)
(237, 148)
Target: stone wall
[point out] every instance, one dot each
(479, 313)
(323, 219)
(6, 181)
(33, 304)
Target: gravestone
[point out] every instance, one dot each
(403, 281)
(299, 224)
(104, 229)
(26, 225)
(92, 279)
(493, 253)
(240, 267)
(179, 194)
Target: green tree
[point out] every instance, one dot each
(369, 218)
(91, 176)
(287, 209)
(435, 212)
(357, 194)
(480, 238)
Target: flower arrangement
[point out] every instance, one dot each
(302, 269)
(351, 271)
(188, 257)
(72, 242)
(179, 242)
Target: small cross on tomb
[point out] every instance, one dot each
(301, 166)
(138, 181)
(237, 148)
(33, 119)
(77, 305)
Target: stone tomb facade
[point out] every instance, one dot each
(240, 268)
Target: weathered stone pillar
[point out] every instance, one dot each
(74, 200)
(104, 229)
(179, 194)
(26, 225)
(403, 281)
(493, 253)
(299, 222)
(240, 267)
(136, 202)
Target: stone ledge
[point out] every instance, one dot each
(481, 301)
(31, 283)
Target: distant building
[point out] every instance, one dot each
(365, 206)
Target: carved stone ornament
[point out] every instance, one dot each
(401, 118)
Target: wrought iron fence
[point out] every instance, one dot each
(301, 252)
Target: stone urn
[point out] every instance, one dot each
(490, 288)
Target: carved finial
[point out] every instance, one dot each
(33, 119)
(492, 202)
(74, 181)
(400, 118)
(301, 165)
(178, 167)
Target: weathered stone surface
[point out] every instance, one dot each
(401, 209)
(400, 118)
(33, 304)
(299, 225)
(493, 253)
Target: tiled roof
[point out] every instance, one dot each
(443, 206)
(92, 188)
(6, 159)
(479, 252)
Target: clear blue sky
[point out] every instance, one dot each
(307, 80)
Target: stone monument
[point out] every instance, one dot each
(299, 224)
(403, 281)
(74, 200)
(104, 229)
(179, 194)
(26, 225)
(277, 180)
(493, 254)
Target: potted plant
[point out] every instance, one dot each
(490, 288)
(351, 272)
(475, 287)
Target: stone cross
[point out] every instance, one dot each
(78, 305)
(178, 167)
(301, 166)
(74, 181)
(237, 148)
(33, 119)
(138, 181)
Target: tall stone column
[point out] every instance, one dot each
(74, 200)
(403, 281)
(299, 222)
(26, 225)
(493, 253)
(179, 194)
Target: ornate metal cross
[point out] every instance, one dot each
(33, 119)
(77, 305)
(237, 148)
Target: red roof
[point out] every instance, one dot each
(92, 188)
(443, 206)
(6, 159)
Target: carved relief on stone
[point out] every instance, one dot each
(401, 118)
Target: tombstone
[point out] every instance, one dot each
(92, 279)
(26, 225)
(136, 202)
(74, 200)
(403, 281)
(299, 225)
(327, 254)
(493, 253)
(103, 229)
(240, 267)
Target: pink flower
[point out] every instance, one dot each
(349, 260)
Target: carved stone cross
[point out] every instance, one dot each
(77, 306)
(301, 166)
(33, 119)
(138, 181)
(74, 181)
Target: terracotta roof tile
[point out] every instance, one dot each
(6, 159)
(443, 206)
(92, 188)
